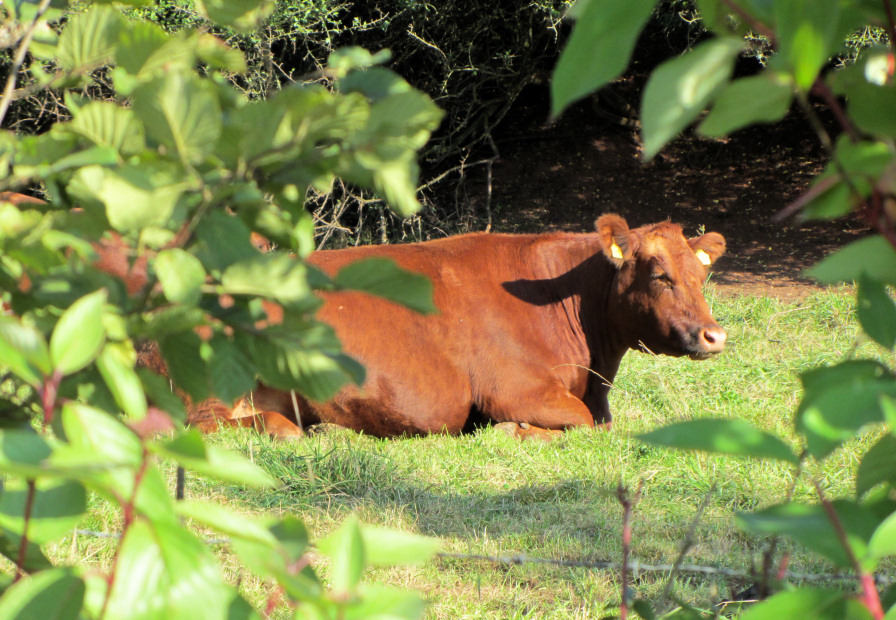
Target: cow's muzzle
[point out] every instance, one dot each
(710, 340)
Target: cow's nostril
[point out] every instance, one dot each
(713, 338)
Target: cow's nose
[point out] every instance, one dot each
(712, 339)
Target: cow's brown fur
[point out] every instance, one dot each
(530, 331)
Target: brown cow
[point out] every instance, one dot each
(530, 333)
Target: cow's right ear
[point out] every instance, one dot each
(615, 238)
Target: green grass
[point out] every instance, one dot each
(489, 494)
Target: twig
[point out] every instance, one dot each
(805, 198)
(6, 98)
(128, 514)
(488, 195)
(755, 24)
(416, 37)
(891, 23)
(23, 545)
(180, 483)
(686, 546)
(870, 597)
(627, 504)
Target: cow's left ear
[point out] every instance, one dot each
(708, 248)
(615, 238)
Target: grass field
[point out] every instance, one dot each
(488, 494)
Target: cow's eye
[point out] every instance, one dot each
(662, 278)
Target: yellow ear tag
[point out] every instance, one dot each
(615, 251)
(703, 257)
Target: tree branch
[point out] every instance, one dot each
(870, 597)
(23, 546)
(6, 97)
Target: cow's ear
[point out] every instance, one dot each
(615, 238)
(708, 248)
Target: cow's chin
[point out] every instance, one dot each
(703, 355)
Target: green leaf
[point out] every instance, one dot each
(226, 521)
(763, 98)
(387, 547)
(242, 15)
(158, 391)
(24, 351)
(346, 60)
(883, 541)
(162, 571)
(863, 163)
(145, 50)
(56, 508)
(811, 527)
(273, 275)
(23, 452)
(107, 124)
(872, 256)
(807, 35)
(135, 196)
(116, 367)
(239, 609)
(215, 53)
(290, 365)
(396, 181)
(181, 112)
(345, 548)
(11, 549)
(869, 105)
(186, 366)
(385, 603)
(680, 88)
(383, 278)
(223, 241)
(726, 436)
(598, 50)
(215, 462)
(181, 275)
(88, 39)
(79, 334)
(876, 311)
(100, 436)
(231, 371)
(292, 539)
(877, 465)
(835, 201)
(808, 603)
(56, 594)
(839, 401)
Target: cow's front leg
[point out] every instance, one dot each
(524, 430)
(543, 413)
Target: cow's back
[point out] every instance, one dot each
(423, 371)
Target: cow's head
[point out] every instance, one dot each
(658, 290)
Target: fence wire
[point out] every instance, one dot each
(634, 566)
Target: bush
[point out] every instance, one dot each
(840, 402)
(172, 172)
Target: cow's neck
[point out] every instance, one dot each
(582, 280)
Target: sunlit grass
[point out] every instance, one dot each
(486, 493)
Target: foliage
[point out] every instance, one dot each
(171, 174)
(489, 495)
(843, 401)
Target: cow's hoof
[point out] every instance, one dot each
(323, 428)
(511, 428)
